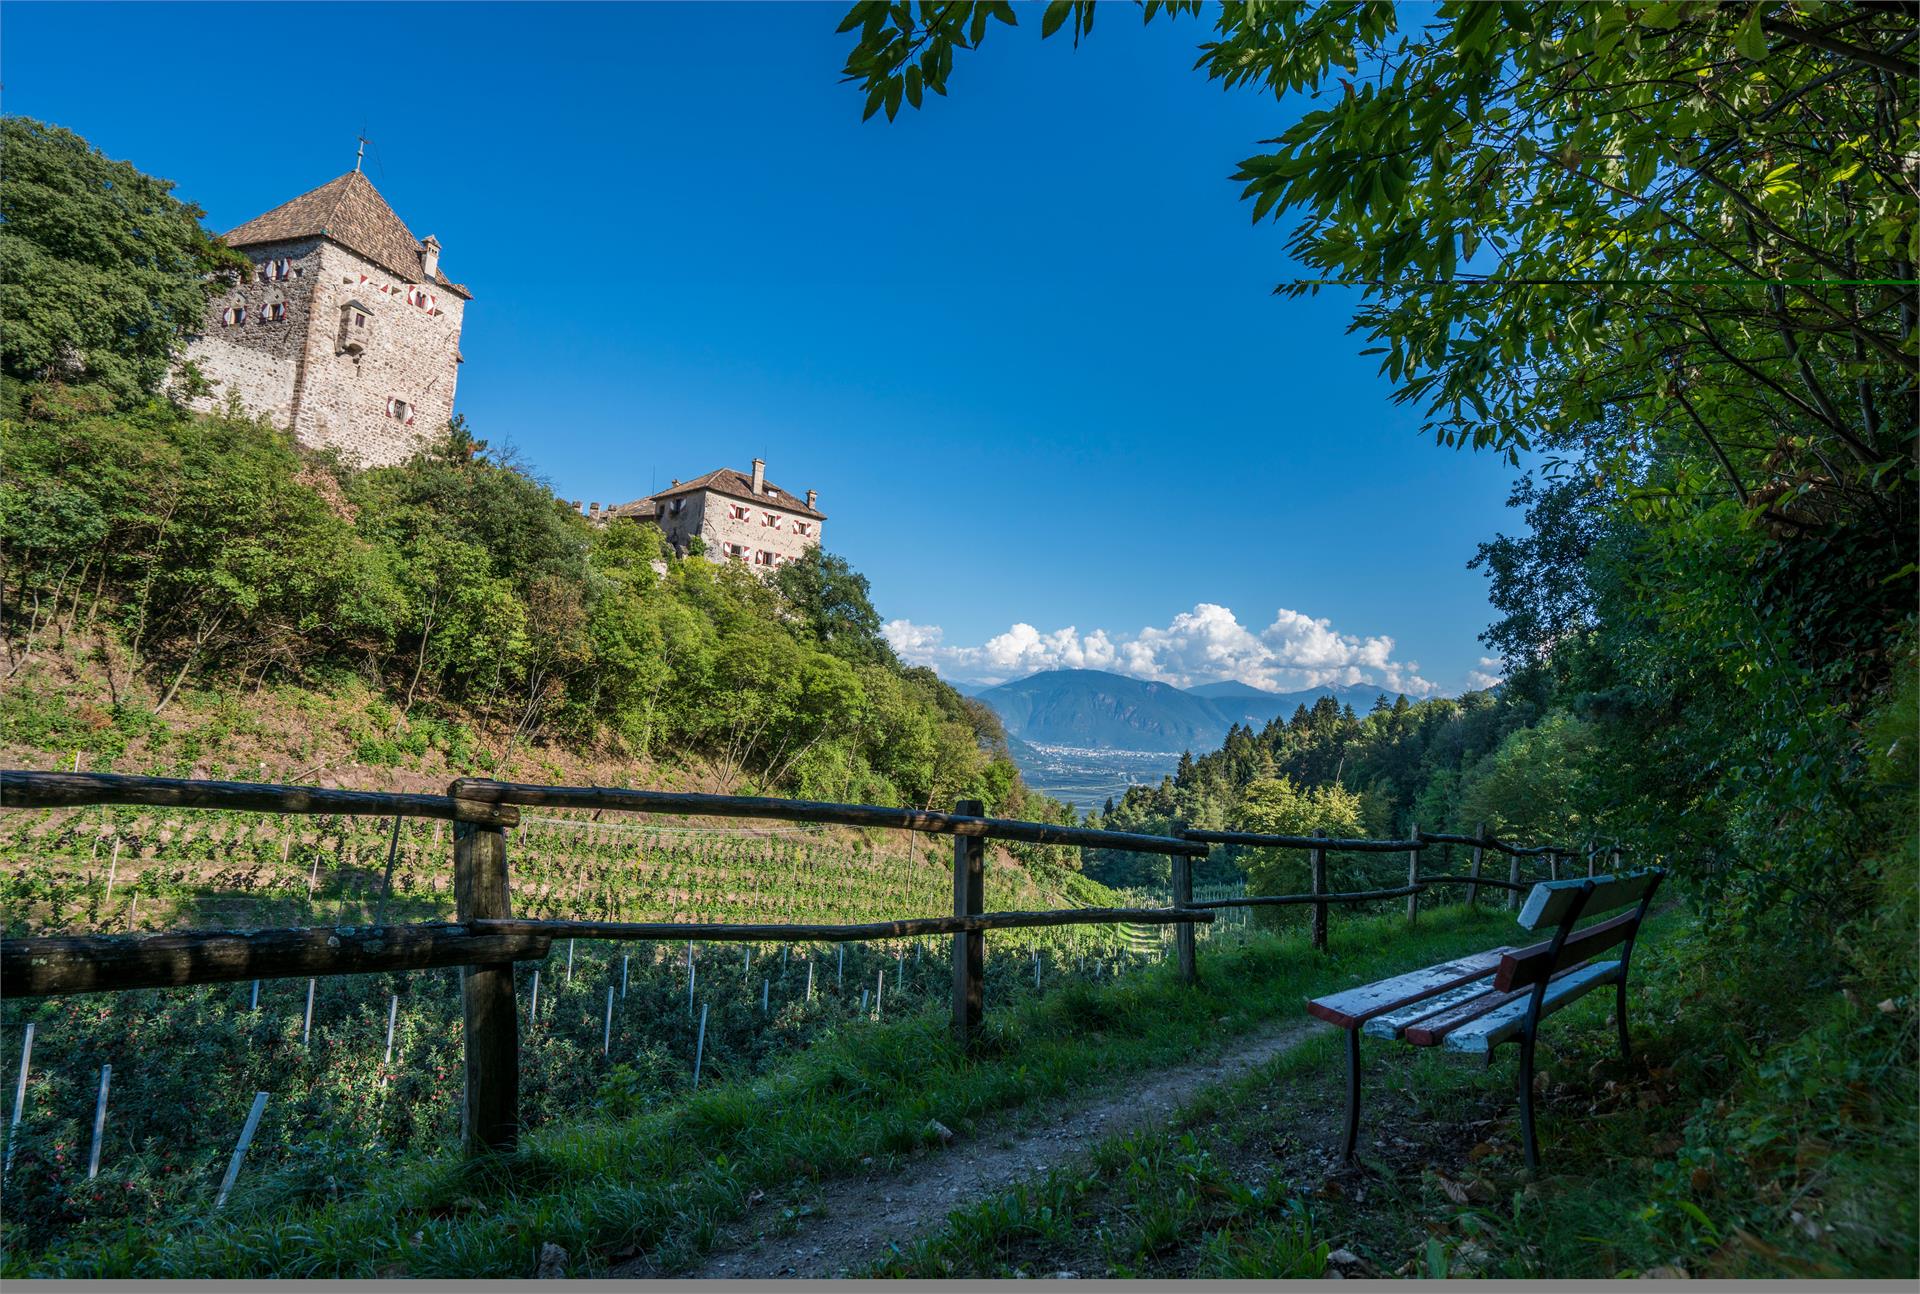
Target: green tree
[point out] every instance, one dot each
(103, 272)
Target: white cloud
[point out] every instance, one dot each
(1203, 645)
(1487, 676)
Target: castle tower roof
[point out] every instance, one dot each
(351, 212)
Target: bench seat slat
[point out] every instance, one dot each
(1396, 1022)
(1504, 1022)
(1430, 1030)
(1353, 1007)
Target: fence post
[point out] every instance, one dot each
(1513, 879)
(490, 1113)
(969, 949)
(1183, 898)
(1319, 861)
(1473, 886)
(1553, 864)
(1413, 877)
(1593, 851)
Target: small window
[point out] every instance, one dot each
(771, 519)
(359, 320)
(274, 312)
(802, 528)
(400, 411)
(233, 316)
(673, 508)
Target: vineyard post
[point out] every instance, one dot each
(99, 1123)
(879, 988)
(840, 972)
(766, 989)
(1553, 864)
(809, 978)
(1479, 853)
(19, 1100)
(533, 1007)
(1593, 853)
(569, 981)
(623, 974)
(113, 864)
(606, 1038)
(240, 1148)
(1413, 877)
(306, 1029)
(1317, 877)
(1513, 880)
(393, 1016)
(1183, 898)
(700, 1044)
(1613, 859)
(490, 1112)
(253, 1003)
(969, 948)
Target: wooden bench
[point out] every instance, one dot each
(1473, 1004)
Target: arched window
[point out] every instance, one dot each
(420, 297)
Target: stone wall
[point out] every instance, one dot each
(750, 539)
(297, 373)
(258, 360)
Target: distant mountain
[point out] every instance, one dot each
(1087, 709)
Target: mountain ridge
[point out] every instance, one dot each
(1097, 710)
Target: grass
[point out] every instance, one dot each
(1766, 1127)
(661, 1186)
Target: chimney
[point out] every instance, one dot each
(811, 496)
(759, 476)
(430, 258)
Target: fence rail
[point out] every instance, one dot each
(486, 940)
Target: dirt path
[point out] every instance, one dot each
(853, 1220)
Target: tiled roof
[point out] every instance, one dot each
(739, 485)
(352, 213)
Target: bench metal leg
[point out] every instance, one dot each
(1620, 1018)
(1526, 1101)
(1353, 1095)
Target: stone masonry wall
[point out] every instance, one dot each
(411, 355)
(296, 373)
(751, 540)
(257, 360)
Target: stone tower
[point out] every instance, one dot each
(348, 335)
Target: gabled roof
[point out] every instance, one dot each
(739, 485)
(351, 212)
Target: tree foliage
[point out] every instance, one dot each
(103, 272)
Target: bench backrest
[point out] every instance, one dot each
(1553, 902)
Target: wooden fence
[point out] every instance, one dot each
(486, 940)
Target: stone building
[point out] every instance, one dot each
(737, 516)
(348, 335)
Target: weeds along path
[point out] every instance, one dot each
(852, 1221)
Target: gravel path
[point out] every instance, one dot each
(854, 1220)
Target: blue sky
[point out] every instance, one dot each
(1022, 342)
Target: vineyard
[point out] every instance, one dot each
(365, 1069)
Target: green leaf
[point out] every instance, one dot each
(1056, 13)
(1752, 42)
